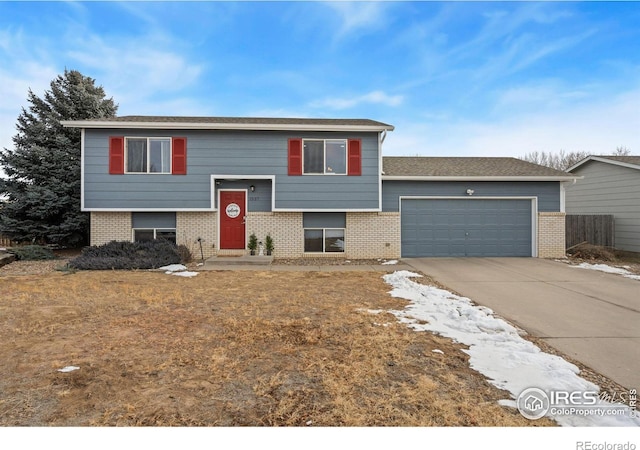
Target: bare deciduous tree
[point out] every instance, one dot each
(563, 160)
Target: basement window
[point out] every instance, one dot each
(324, 240)
(149, 234)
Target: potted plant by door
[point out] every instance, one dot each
(253, 243)
(268, 244)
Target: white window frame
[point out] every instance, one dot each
(155, 232)
(149, 139)
(324, 156)
(324, 237)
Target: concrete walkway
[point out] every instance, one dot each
(591, 316)
(311, 268)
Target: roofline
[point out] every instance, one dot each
(102, 124)
(482, 178)
(603, 160)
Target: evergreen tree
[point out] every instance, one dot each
(42, 184)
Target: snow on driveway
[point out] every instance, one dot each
(608, 269)
(497, 350)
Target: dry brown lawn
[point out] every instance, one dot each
(228, 349)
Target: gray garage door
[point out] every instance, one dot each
(466, 227)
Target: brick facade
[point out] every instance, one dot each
(193, 225)
(367, 235)
(372, 235)
(551, 235)
(109, 226)
(285, 229)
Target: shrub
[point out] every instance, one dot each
(185, 254)
(127, 255)
(591, 252)
(32, 253)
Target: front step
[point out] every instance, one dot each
(240, 260)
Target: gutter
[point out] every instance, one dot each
(482, 178)
(91, 124)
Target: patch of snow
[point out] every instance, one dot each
(508, 402)
(496, 349)
(184, 274)
(389, 263)
(178, 269)
(609, 269)
(173, 268)
(437, 350)
(69, 369)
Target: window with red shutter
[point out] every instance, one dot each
(295, 157)
(179, 156)
(355, 157)
(116, 155)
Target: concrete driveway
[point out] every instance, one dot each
(591, 316)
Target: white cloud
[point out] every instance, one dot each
(136, 68)
(357, 16)
(373, 97)
(20, 71)
(595, 127)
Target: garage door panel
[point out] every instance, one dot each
(466, 227)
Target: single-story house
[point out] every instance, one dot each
(319, 187)
(609, 185)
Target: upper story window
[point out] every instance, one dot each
(325, 156)
(148, 155)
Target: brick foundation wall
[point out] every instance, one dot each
(368, 235)
(551, 235)
(109, 226)
(193, 225)
(285, 229)
(372, 235)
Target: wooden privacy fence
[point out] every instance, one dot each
(596, 229)
(5, 241)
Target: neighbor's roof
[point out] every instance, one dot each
(632, 162)
(459, 168)
(231, 123)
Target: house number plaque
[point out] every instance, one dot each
(233, 210)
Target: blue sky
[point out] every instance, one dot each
(454, 78)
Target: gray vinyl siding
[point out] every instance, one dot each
(228, 153)
(609, 189)
(153, 220)
(257, 201)
(324, 220)
(547, 192)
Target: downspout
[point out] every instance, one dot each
(381, 137)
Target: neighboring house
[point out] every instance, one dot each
(320, 187)
(610, 185)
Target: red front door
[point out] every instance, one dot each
(232, 217)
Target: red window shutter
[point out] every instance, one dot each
(116, 155)
(295, 156)
(179, 156)
(355, 157)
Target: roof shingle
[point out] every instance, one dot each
(423, 166)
